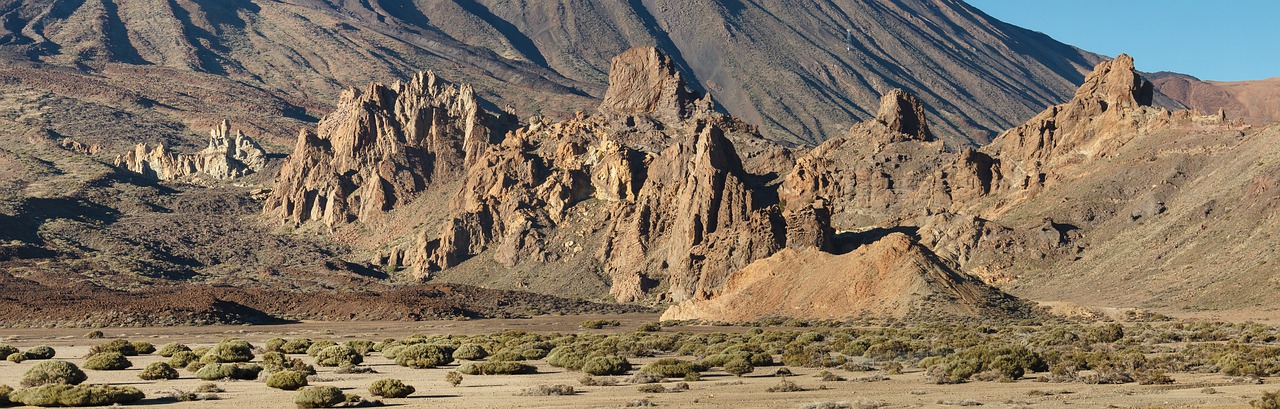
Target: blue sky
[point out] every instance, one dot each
(1225, 40)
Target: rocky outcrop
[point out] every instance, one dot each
(380, 148)
(228, 156)
(892, 277)
(671, 207)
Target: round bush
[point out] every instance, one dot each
(181, 359)
(40, 352)
(507, 355)
(287, 380)
(498, 368)
(296, 346)
(390, 388)
(107, 361)
(274, 345)
(338, 355)
(6, 350)
(319, 397)
(470, 352)
(16, 357)
(362, 346)
(171, 348)
(317, 346)
(216, 371)
(606, 365)
(119, 346)
(53, 372)
(157, 371)
(738, 366)
(229, 351)
(670, 367)
(143, 347)
(58, 395)
(424, 356)
(5, 390)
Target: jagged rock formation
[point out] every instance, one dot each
(381, 148)
(892, 277)
(228, 156)
(681, 208)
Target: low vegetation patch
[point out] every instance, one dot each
(158, 371)
(53, 372)
(498, 368)
(218, 371)
(59, 395)
(338, 355)
(547, 390)
(319, 397)
(391, 388)
(287, 380)
(107, 361)
(424, 356)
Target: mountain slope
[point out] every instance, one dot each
(551, 57)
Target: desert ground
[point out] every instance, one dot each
(716, 389)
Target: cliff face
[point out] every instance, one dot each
(379, 149)
(228, 156)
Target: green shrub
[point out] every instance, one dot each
(6, 350)
(319, 397)
(651, 388)
(338, 355)
(606, 365)
(424, 356)
(391, 388)
(95, 334)
(952, 371)
(5, 390)
(393, 351)
(785, 386)
(276, 362)
(1269, 400)
(171, 348)
(40, 352)
(547, 390)
(287, 380)
(143, 347)
(470, 352)
(317, 346)
(296, 346)
(567, 357)
(498, 368)
(650, 327)
(598, 324)
(506, 355)
(738, 366)
(157, 371)
(273, 345)
(181, 359)
(671, 367)
(119, 346)
(361, 346)
(107, 361)
(16, 357)
(229, 351)
(453, 378)
(53, 372)
(58, 395)
(216, 371)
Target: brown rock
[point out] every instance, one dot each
(903, 114)
(381, 148)
(227, 157)
(643, 81)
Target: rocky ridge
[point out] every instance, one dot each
(228, 156)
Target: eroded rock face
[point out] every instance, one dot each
(657, 170)
(380, 148)
(228, 156)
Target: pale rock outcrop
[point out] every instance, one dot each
(380, 148)
(228, 156)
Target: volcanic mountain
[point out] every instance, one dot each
(269, 65)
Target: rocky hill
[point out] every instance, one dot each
(269, 65)
(1254, 102)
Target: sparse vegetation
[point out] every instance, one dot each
(424, 356)
(454, 378)
(1268, 400)
(61, 395)
(497, 368)
(158, 371)
(40, 352)
(217, 371)
(650, 327)
(671, 367)
(547, 390)
(181, 359)
(229, 351)
(118, 346)
(287, 380)
(107, 361)
(53, 372)
(470, 352)
(338, 355)
(391, 388)
(785, 386)
(600, 324)
(319, 397)
(606, 365)
(167, 350)
(143, 347)
(296, 346)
